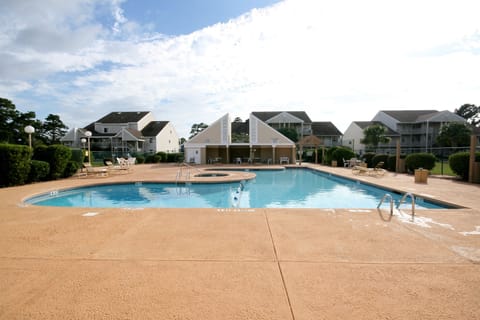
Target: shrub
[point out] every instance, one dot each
(174, 157)
(319, 156)
(420, 160)
(15, 160)
(39, 171)
(57, 156)
(78, 156)
(341, 153)
(140, 159)
(368, 158)
(153, 158)
(329, 154)
(162, 155)
(460, 163)
(391, 164)
(71, 168)
(379, 158)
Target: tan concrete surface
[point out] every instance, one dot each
(163, 263)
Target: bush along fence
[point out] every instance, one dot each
(21, 164)
(457, 160)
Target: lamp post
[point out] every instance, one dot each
(88, 134)
(83, 141)
(29, 130)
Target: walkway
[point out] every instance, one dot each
(74, 263)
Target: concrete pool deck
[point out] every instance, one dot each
(84, 263)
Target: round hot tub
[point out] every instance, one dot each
(210, 174)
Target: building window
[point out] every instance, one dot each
(151, 140)
(105, 130)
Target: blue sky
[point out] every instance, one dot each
(186, 16)
(193, 61)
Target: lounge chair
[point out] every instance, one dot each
(116, 168)
(376, 171)
(284, 160)
(95, 171)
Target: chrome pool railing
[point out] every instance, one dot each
(412, 197)
(387, 196)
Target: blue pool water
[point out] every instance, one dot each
(290, 188)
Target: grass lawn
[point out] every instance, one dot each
(447, 171)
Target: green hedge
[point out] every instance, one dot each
(329, 154)
(39, 171)
(162, 155)
(420, 160)
(391, 164)
(15, 164)
(380, 158)
(153, 158)
(175, 157)
(342, 153)
(71, 168)
(368, 158)
(78, 156)
(57, 156)
(460, 163)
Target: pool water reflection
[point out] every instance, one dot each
(290, 188)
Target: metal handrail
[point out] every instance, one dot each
(238, 194)
(190, 166)
(408, 194)
(385, 196)
(179, 174)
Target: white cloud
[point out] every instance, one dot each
(339, 61)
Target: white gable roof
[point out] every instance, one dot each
(284, 117)
(218, 133)
(262, 134)
(446, 116)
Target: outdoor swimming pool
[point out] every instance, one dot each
(289, 188)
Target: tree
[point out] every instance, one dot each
(238, 119)
(454, 134)
(290, 133)
(8, 117)
(13, 123)
(53, 129)
(374, 135)
(23, 120)
(197, 128)
(471, 113)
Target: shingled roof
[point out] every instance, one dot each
(325, 128)
(123, 117)
(409, 116)
(153, 128)
(365, 124)
(265, 115)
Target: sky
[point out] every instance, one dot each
(192, 61)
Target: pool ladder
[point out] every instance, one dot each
(412, 197)
(238, 194)
(387, 196)
(180, 173)
(390, 198)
